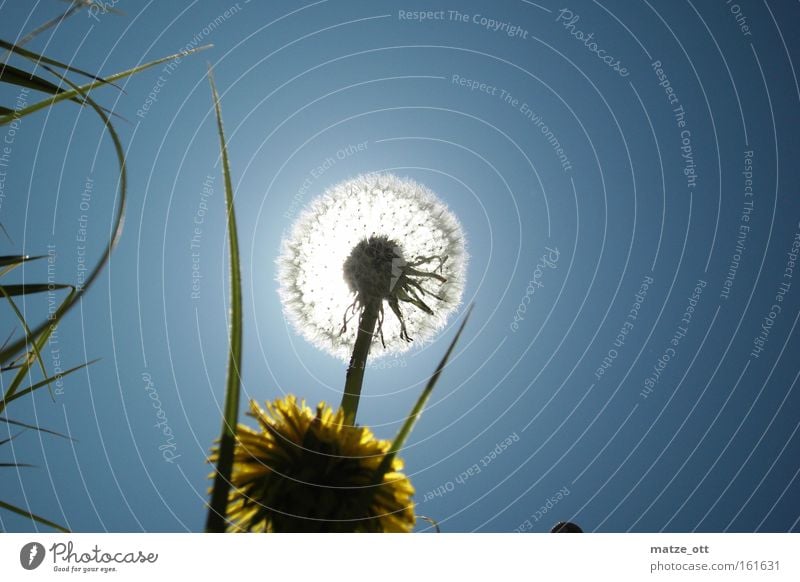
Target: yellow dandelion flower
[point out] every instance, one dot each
(311, 472)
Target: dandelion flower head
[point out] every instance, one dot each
(305, 471)
(375, 237)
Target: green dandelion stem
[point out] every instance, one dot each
(358, 361)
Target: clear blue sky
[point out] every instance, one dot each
(614, 134)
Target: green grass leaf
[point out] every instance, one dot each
(23, 369)
(31, 288)
(405, 430)
(34, 427)
(76, 6)
(217, 512)
(84, 89)
(9, 439)
(38, 339)
(15, 76)
(6, 260)
(38, 59)
(33, 516)
(45, 382)
(43, 331)
(12, 349)
(10, 262)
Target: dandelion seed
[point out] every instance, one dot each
(374, 241)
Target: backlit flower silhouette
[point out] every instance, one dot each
(376, 240)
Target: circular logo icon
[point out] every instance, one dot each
(31, 555)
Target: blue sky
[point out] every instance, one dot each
(639, 375)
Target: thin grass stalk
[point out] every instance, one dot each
(218, 507)
(25, 367)
(405, 430)
(42, 383)
(82, 91)
(32, 516)
(77, 6)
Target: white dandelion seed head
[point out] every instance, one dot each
(374, 237)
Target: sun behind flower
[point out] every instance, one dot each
(375, 238)
(307, 472)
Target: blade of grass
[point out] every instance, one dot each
(30, 289)
(43, 331)
(45, 382)
(431, 521)
(38, 59)
(10, 335)
(15, 76)
(11, 438)
(405, 430)
(37, 341)
(6, 260)
(10, 262)
(103, 6)
(34, 427)
(33, 516)
(5, 232)
(84, 89)
(23, 369)
(76, 6)
(15, 347)
(9, 368)
(218, 506)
